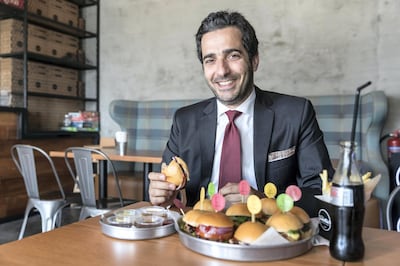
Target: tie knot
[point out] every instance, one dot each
(232, 114)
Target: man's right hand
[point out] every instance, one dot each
(161, 192)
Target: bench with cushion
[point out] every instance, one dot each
(148, 124)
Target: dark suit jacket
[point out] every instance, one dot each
(282, 123)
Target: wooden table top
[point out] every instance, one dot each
(131, 156)
(83, 243)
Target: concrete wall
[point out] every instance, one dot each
(307, 47)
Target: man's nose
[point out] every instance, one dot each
(222, 67)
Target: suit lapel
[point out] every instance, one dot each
(208, 127)
(263, 123)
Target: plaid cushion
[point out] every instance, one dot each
(148, 122)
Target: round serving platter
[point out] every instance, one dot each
(237, 252)
(130, 232)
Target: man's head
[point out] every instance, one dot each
(223, 19)
(228, 50)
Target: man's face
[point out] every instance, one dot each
(227, 67)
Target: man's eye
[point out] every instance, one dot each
(234, 56)
(208, 61)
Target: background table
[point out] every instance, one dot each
(148, 158)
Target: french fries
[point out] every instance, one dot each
(326, 185)
(366, 177)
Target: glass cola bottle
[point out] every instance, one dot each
(347, 195)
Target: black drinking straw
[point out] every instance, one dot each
(353, 128)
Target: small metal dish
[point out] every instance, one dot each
(116, 228)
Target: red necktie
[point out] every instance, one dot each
(231, 164)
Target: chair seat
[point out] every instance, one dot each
(83, 175)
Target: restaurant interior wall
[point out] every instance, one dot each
(148, 49)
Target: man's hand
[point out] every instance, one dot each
(160, 191)
(232, 194)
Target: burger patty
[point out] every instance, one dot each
(191, 230)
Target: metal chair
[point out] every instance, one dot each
(83, 175)
(50, 208)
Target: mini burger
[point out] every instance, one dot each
(306, 230)
(214, 226)
(190, 223)
(248, 232)
(238, 213)
(287, 224)
(269, 206)
(176, 172)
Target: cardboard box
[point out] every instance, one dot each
(64, 12)
(12, 37)
(42, 78)
(63, 45)
(38, 7)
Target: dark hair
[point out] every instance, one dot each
(223, 19)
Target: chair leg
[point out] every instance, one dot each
(84, 214)
(28, 209)
(49, 213)
(58, 218)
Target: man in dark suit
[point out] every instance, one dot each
(280, 138)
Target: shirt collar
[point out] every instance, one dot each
(245, 107)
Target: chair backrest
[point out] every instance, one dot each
(84, 175)
(25, 158)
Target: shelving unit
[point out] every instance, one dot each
(43, 107)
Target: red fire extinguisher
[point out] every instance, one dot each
(393, 143)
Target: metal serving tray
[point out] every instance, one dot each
(238, 252)
(131, 232)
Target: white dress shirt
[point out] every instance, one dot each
(245, 125)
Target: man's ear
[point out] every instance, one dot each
(255, 62)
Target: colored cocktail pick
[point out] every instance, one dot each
(218, 202)
(202, 197)
(244, 189)
(254, 206)
(179, 205)
(294, 191)
(270, 190)
(211, 189)
(284, 202)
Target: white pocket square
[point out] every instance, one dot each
(279, 155)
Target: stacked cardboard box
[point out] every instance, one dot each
(42, 78)
(12, 33)
(40, 40)
(38, 7)
(63, 11)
